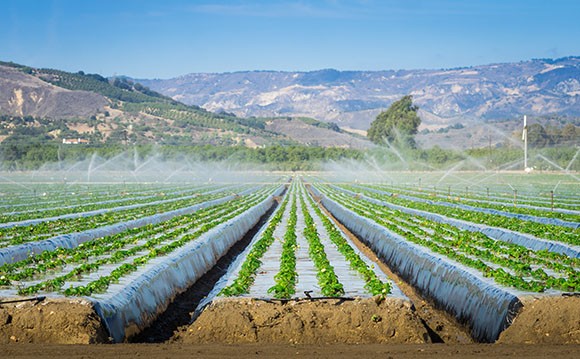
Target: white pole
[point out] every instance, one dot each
(525, 138)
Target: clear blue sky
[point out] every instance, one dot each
(166, 38)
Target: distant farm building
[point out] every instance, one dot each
(74, 141)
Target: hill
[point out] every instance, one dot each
(354, 98)
(61, 105)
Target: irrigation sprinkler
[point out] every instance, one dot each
(552, 199)
(449, 192)
(515, 197)
(487, 188)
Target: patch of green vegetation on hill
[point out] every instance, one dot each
(187, 118)
(119, 89)
(136, 99)
(328, 125)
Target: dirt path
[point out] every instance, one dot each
(178, 351)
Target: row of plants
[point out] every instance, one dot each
(372, 283)
(540, 230)
(247, 273)
(507, 205)
(489, 193)
(98, 204)
(329, 284)
(286, 278)
(153, 243)
(38, 231)
(508, 264)
(46, 196)
(103, 246)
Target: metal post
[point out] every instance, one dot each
(525, 138)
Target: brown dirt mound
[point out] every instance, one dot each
(545, 320)
(306, 322)
(57, 321)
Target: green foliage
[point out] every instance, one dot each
(327, 279)
(31, 148)
(328, 125)
(148, 242)
(472, 249)
(397, 125)
(373, 283)
(247, 275)
(287, 277)
(118, 89)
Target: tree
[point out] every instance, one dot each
(398, 124)
(537, 136)
(569, 134)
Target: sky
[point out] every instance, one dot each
(169, 38)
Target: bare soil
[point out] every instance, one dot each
(326, 321)
(241, 351)
(56, 321)
(545, 320)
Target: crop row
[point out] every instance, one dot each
(87, 205)
(489, 194)
(247, 274)
(45, 229)
(53, 196)
(127, 252)
(547, 231)
(299, 204)
(509, 205)
(372, 282)
(329, 284)
(286, 278)
(508, 264)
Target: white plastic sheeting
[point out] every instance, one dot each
(29, 222)
(491, 200)
(523, 217)
(501, 234)
(71, 240)
(149, 291)
(352, 281)
(486, 308)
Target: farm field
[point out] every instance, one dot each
(413, 258)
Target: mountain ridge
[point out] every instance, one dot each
(353, 98)
(59, 105)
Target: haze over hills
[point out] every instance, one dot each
(354, 98)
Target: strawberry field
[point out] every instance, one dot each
(477, 246)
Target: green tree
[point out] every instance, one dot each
(569, 134)
(398, 124)
(537, 136)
